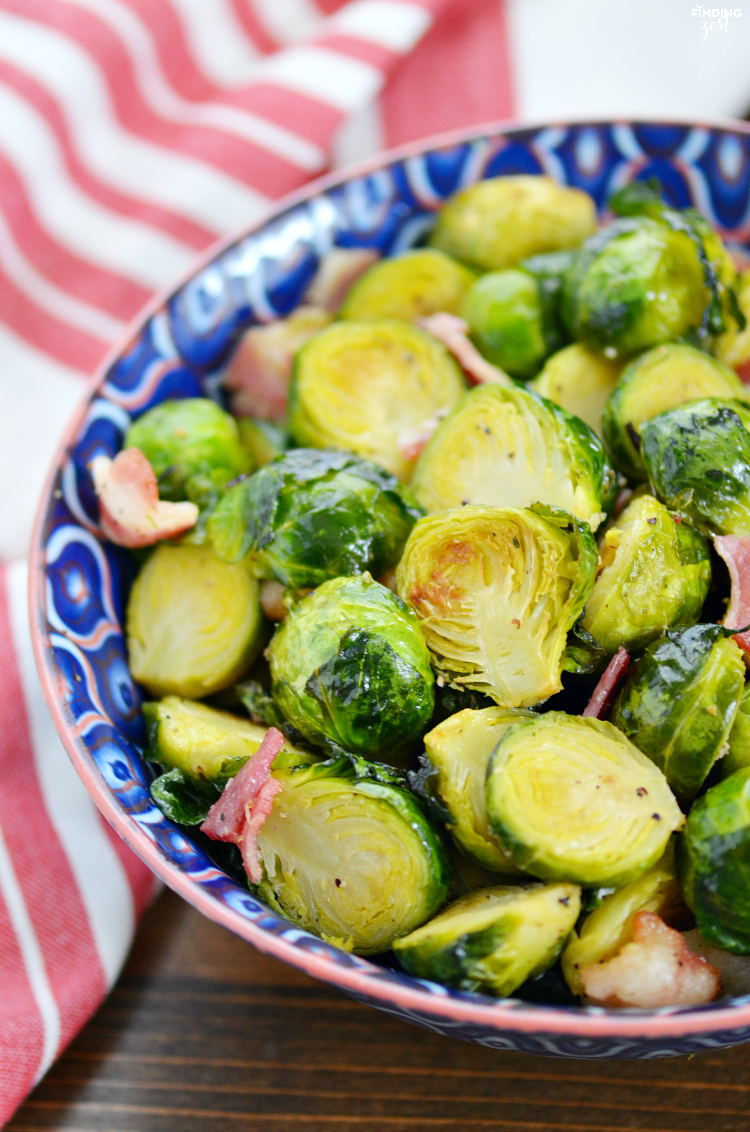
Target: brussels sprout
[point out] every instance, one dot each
(680, 701)
(409, 286)
(659, 380)
(504, 313)
(350, 665)
(511, 448)
(496, 590)
(579, 382)
(738, 755)
(713, 863)
(733, 346)
(264, 440)
(498, 222)
(610, 925)
(355, 862)
(311, 515)
(460, 749)
(493, 939)
(634, 284)
(365, 386)
(182, 438)
(654, 575)
(698, 461)
(572, 799)
(549, 271)
(193, 623)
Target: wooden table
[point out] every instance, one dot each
(202, 1034)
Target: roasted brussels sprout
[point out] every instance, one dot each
(496, 590)
(510, 448)
(193, 623)
(459, 749)
(654, 575)
(572, 799)
(610, 925)
(580, 382)
(493, 939)
(264, 440)
(409, 286)
(634, 284)
(738, 755)
(679, 703)
(183, 438)
(733, 346)
(350, 665)
(311, 515)
(500, 221)
(504, 313)
(713, 862)
(355, 862)
(661, 379)
(404, 378)
(698, 461)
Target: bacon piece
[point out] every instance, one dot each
(656, 969)
(227, 817)
(130, 511)
(611, 679)
(255, 815)
(272, 600)
(338, 270)
(743, 372)
(412, 441)
(259, 372)
(452, 332)
(736, 553)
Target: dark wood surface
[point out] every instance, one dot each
(202, 1034)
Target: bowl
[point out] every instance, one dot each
(79, 583)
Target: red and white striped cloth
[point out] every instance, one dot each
(132, 133)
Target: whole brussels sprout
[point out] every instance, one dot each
(494, 939)
(680, 701)
(498, 222)
(580, 382)
(365, 386)
(738, 755)
(409, 286)
(311, 515)
(698, 461)
(733, 346)
(459, 748)
(572, 799)
(264, 440)
(350, 665)
(353, 861)
(654, 575)
(194, 623)
(183, 438)
(634, 284)
(504, 313)
(509, 447)
(667, 376)
(496, 591)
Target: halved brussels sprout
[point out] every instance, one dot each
(571, 798)
(194, 623)
(459, 748)
(634, 284)
(610, 925)
(182, 438)
(713, 861)
(496, 590)
(497, 222)
(264, 440)
(493, 939)
(365, 386)
(733, 346)
(355, 862)
(679, 703)
(311, 515)
(504, 313)
(409, 286)
(510, 448)
(654, 575)
(350, 665)
(580, 382)
(738, 755)
(698, 461)
(667, 376)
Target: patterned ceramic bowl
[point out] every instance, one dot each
(79, 583)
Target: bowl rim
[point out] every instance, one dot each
(505, 1014)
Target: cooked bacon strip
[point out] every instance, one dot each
(452, 332)
(227, 817)
(338, 270)
(604, 691)
(413, 441)
(255, 815)
(743, 372)
(656, 969)
(130, 511)
(736, 553)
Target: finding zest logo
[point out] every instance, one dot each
(715, 19)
